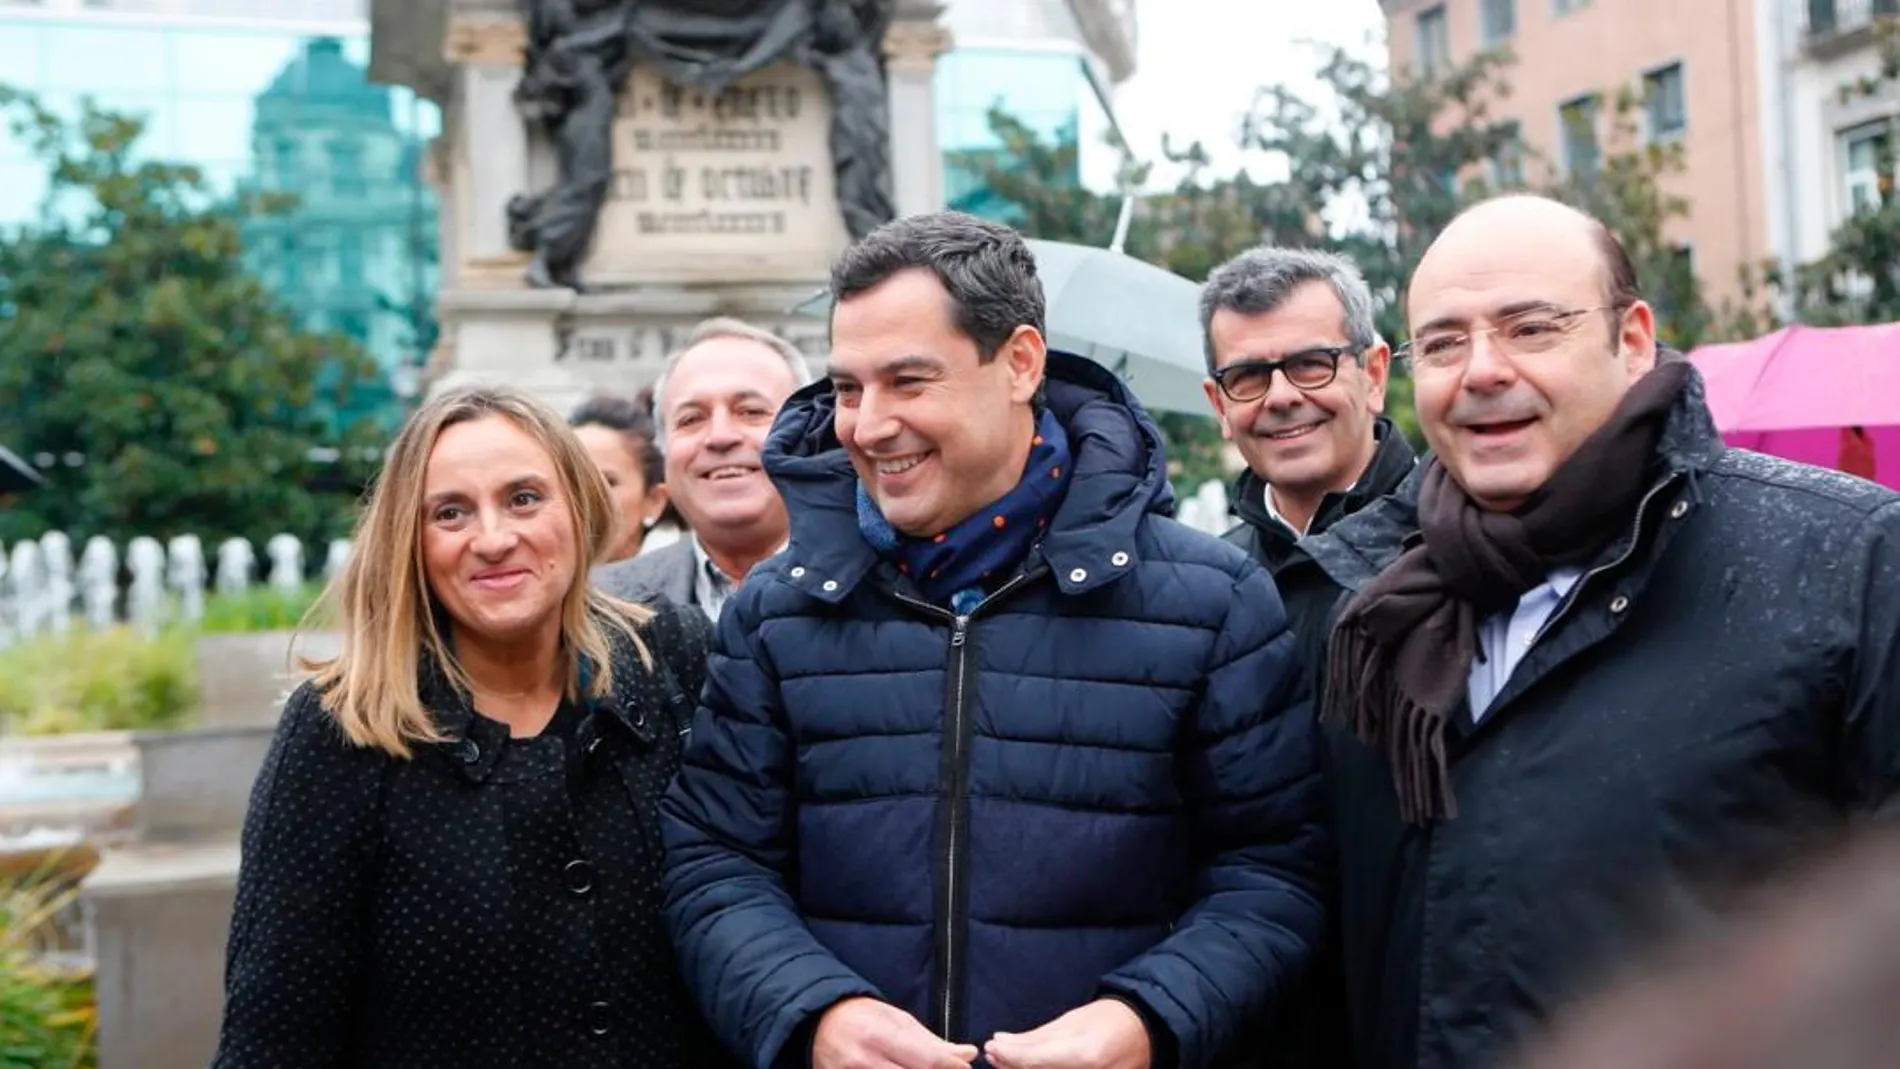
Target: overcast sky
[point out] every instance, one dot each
(1200, 61)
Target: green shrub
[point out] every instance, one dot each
(259, 608)
(113, 680)
(48, 1014)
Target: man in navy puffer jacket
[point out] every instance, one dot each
(996, 762)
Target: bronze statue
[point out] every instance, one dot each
(844, 49)
(580, 53)
(578, 56)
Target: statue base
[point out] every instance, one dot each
(563, 346)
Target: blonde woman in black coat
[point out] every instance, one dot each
(452, 855)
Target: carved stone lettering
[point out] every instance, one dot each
(759, 131)
(728, 186)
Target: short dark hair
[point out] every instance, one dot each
(986, 267)
(1618, 268)
(634, 421)
(1262, 280)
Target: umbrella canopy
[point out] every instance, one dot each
(1136, 319)
(16, 475)
(1828, 396)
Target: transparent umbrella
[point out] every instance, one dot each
(1138, 320)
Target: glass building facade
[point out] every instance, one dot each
(1047, 89)
(261, 107)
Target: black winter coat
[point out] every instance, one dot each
(1717, 694)
(487, 904)
(1305, 589)
(1099, 783)
(1304, 1033)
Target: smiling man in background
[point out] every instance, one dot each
(713, 404)
(1297, 377)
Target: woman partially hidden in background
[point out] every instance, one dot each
(618, 433)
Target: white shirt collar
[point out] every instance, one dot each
(1298, 532)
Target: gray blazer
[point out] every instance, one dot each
(666, 573)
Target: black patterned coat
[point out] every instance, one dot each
(488, 903)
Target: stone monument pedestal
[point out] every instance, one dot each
(563, 346)
(726, 200)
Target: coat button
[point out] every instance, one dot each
(830, 585)
(1618, 604)
(471, 751)
(798, 572)
(593, 744)
(1119, 560)
(1079, 575)
(1679, 510)
(579, 876)
(600, 1018)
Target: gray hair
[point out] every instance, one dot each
(1263, 279)
(722, 327)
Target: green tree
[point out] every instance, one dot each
(1385, 155)
(1418, 149)
(176, 393)
(1034, 179)
(1372, 171)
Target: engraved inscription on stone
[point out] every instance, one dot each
(735, 186)
(619, 345)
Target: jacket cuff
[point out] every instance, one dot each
(798, 1048)
(1163, 1051)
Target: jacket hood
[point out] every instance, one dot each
(1119, 475)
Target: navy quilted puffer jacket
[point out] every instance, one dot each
(1102, 782)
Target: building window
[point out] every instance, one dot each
(1665, 102)
(1434, 41)
(349, 258)
(1578, 121)
(1507, 161)
(284, 160)
(1864, 150)
(346, 169)
(1499, 18)
(290, 263)
(1565, 7)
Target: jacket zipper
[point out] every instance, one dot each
(954, 890)
(1636, 536)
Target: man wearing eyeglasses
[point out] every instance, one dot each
(1621, 674)
(1296, 375)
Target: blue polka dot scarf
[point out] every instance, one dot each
(953, 567)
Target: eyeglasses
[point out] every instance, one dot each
(1309, 369)
(1524, 334)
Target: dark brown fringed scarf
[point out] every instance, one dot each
(1401, 653)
